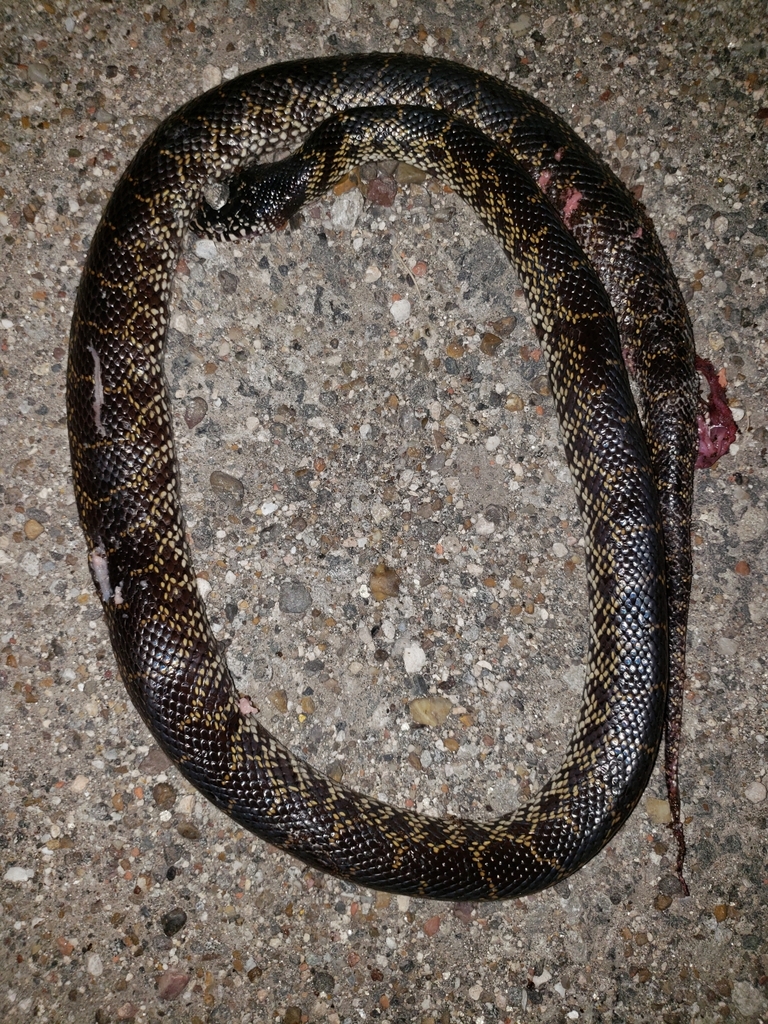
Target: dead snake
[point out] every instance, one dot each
(527, 174)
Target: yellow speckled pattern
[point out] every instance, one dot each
(529, 177)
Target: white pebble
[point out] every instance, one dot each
(30, 564)
(94, 965)
(206, 249)
(492, 443)
(755, 792)
(559, 550)
(414, 658)
(346, 210)
(339, 9)
(211, 76)
(400, 310)
(484, 527)
(203, 587)
(17, 874)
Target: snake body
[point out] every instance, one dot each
(529, 176)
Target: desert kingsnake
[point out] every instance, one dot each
(503, 151)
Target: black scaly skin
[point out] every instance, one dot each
(127, 488)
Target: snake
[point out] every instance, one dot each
(602, 297)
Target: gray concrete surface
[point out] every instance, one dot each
(358, 439)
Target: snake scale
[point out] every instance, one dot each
(583, 248)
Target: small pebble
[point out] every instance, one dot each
(658, 811)
(407, 174)
(206, 249)
(431, 711)
(414, 658)
(489, 346)
(400, 310)
(173, 921)
(278, 698)
(211, 76)
(340, 9)
(382, 192)
(484, 527)
(194, 411)
(346, 210)
(227, 487)
(32, 529)
(294, 598)
(171, 983)
(726, 646)
(164, 795)
(432, 925)
(17, 874)
(755, 792)
(187, 830)
(751, 1002)
(384, 582)
(94, 965)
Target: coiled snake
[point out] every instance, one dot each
(526, 173)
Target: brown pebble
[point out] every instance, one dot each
(171, 984)
(742, 568)
(721, 912)
(32, 529)
(155, 762)
(278, 698)
(662, 902)
(384, 582)
(463, 911)
(347, 183)
(194, 411)
(407, 174)
(187, 830)
(164, 795)
(227, 487)
(455, 350)
(292, 1015)
(504, 326)
(514, 403)
(430, 711)
(382, 192)
(489, 346)
(432, 925)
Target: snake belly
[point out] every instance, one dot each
(505, 153)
